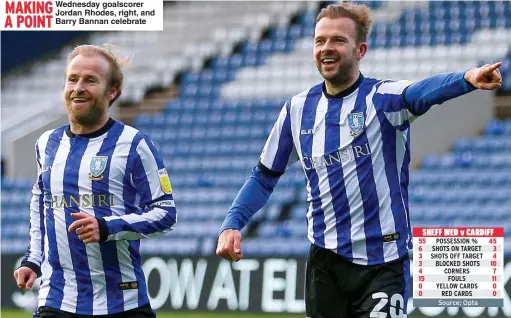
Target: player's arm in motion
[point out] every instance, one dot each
(30, 267)
(148, 175)
(254, 194)
(419, 97)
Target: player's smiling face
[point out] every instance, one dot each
(87, 91)
(335, 48)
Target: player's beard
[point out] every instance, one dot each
(89, 117)
(343, 74)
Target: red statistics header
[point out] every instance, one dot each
(458, 232)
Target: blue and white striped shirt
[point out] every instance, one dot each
(355, 152)
(118, 176)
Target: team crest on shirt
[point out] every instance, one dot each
(97, 167)
(165, 181)
(356, 122)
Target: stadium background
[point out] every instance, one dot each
(207, 90)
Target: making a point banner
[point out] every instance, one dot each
(92, 15)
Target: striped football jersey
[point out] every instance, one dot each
(355, 152)
(117, 176)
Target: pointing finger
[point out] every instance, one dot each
(489, 69)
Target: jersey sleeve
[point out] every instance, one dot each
(279, 152)
(250, 199)
(404, 101)
(389, 98)
(150, 178)
(435, 90)
(35, 250)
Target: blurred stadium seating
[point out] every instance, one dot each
(212, 134)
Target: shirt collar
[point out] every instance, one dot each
(93, 134)
(345, 92)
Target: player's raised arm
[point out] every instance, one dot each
(34, 254)
(404, 101)
(152, 182)
(276, 156)
(439, 88)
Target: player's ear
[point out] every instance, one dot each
(113, 93)
(361, 50)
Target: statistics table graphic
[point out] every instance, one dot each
(458, 267)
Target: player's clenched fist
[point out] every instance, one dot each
(229, 245)
(25, 277)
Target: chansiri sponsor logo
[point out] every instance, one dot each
(338, 157)
(82, 200)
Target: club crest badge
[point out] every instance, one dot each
(356, 122)
(97, 167)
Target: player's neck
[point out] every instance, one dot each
(80, 129)
(334, 88)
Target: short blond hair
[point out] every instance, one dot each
(359, 13)
(116, 61)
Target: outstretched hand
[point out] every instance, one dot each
(486, 77)
(86, 227)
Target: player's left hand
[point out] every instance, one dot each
(86, 227)
(486, 77)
